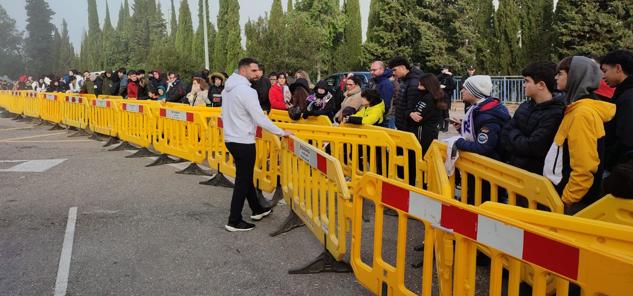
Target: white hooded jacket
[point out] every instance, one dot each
(241, 112)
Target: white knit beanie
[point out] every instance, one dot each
(479, 85)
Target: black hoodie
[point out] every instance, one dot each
(619, 137)
(409, 92)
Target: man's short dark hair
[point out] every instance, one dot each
(399, 61)
(173, 73)
(122, 70)
(246, 62)
(272, 74)
(131, 72)
(372, 96)
(355, 79)
(140, 72)
(542, 71)
(620, 57)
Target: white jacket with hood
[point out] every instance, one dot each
(241, 112)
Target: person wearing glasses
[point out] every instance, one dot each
(381, 82)
(352, 100)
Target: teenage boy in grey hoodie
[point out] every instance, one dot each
(241, 115)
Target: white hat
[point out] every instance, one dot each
(479, 85)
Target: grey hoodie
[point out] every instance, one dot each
(583, 78)
(241, 112)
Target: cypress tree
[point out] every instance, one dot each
(94, 37)
(107, 42)
(536, 26)
(122, 36)
(139, 32)
(484, 42)
(37, 44)
(11, 63)
(84, 59)
(431, 30)
(507, 33)
(591, 27)
(219, 47)
(275, 38)
(66, 58)
(198, 40)
(352, 46)
(256, 41)
(234, 36)
(184, 34)
(390, 33)
(289, 7)
(173, 23)
(56, 66)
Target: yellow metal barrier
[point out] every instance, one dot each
(518, 183)
(266, 171)
(514, 243)
(32, 104)
(359, 151)
(104, 116)
(75, 110)
(5, 96)
(180, 133)
(51, 107)
(106, 97)
(315, 190)
(610, 209)
(16, 104)
(137, 124)
(282, 116)
(407, 146)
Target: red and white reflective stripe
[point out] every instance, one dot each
(220, 122)
(134, 108)
(531, 247)
(176, 115)
(308, 154)
(51, 97)
(73, 99)
(101, 103)
(31, 95)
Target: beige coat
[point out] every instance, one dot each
(200, 98)
(352, 99)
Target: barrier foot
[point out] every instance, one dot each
(292, 221)
(123, 146)
(111, 142)
(38, 122)
(56, 127)
(324, 263)
(144, 152)
(18, 117)
(194, 169)
(72, 129)
(218, 180)
(80, 133)
(96, 137)
(6, 114)
(266, 203)
(163, 159)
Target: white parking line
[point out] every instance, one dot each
(61, 284)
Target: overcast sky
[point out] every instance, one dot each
(76, 12)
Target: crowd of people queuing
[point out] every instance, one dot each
(576, 128)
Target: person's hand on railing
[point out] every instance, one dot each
(288, 133)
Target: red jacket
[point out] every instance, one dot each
(132, 89)
(276, 97)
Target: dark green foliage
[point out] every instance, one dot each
(11, 62)
(38, 43)
(351, 53)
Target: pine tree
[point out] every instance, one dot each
(591, 27)
(11, 62)
(55, 50)
(536, 25)
(484, 42)
(219, 46)
(390, 34)
(301, 53)
(173, 23)
(121, 46)
(184, 35)
(234, 36)
(352, 41)
(37, 44)
(139, 32)
(256, 41)
(84, 60)
(93, 42)
(507, 33)
(431, 29)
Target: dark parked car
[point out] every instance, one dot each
(334, 80)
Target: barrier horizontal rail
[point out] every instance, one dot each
(511, 240)
(282, 116)
(610, 209)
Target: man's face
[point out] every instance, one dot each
(376, 70)
(172, 77)
(156, 75)
(273, 79)
(251, 72)
(612, 74)
(400, 71)
(471, 72)
(468, 97)
(561, 80)
(133, 77)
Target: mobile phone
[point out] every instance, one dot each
(453, 121)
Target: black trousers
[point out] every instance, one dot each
(244, 155)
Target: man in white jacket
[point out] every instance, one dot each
(241, 114)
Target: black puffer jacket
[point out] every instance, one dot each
(528, 136)
(408, 92)
(619, 138)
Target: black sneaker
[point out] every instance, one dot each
(258, 217)
(241, 226)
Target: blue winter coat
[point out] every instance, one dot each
(489, 118)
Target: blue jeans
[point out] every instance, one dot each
(389, 122)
